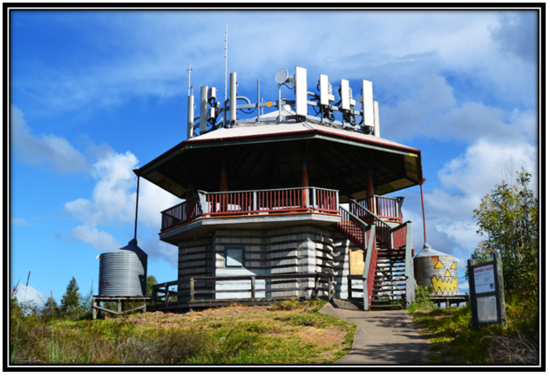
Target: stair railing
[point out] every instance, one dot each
(383, 235)
(370, 268)
(351, 225)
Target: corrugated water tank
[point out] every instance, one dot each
(438, 270)
(123, 272)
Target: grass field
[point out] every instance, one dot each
(456, 341)
(290, 332)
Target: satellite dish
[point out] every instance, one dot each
(281, 76)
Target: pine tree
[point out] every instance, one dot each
(70, 302)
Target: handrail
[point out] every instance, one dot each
(251, 202)
(369, 270)
(386, 207)
(354, 216)
(192, 291)
(369, 212)
(277, 189)
(384, 235)
(408, 250)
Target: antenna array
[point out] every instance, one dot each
(322, 103)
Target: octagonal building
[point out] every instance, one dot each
(290, 192)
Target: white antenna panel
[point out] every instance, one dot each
(324, 90)
(211, 93)
(344, 94)
(376, 120)
(233, 96)
(190, 116)
(300, 88)
(368, 104)
(203, 108)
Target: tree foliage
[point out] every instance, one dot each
(71, 300)
(509, 218)
(151, 280)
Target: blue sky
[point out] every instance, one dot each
(95, 94)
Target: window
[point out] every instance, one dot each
(234, 257)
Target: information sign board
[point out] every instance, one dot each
(484, 279)
(487, 292)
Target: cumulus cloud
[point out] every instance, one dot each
(49, 151)
(113, 204)
(464, 181)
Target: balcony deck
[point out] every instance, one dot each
(262, 209)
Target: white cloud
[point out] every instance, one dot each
(49, 151)
(465, 180)
(30, 295)
(100, 240)
(113, 203)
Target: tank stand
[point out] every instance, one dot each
(97, 300)
(449, 300)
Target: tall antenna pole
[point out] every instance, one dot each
(225, 99)
(137, 200)
(189, 87)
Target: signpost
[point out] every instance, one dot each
(487, 292)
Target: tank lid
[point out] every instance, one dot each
(132, 246)
(427, 251)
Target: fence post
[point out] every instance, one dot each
(314, 200)
(253, 283)
(255, 205)
(191, 290)
(166, 294)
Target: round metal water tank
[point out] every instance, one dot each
(438, 270)
(123, 272)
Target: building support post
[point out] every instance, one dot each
(305, 183)
(370, 194)
(223, 184)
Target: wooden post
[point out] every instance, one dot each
(317, 283)
(119, 307)
(350, 293)
(94, 310)
(191, 290)
(501, 302)
(166, 294)
(253, 284)
(473, 300)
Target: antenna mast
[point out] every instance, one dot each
(225, 99)
(189, 87)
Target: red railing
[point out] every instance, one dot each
(382, 229)
(271, 201)
(181, 213)
(351, 228)
(384, 207)
(399, 235)
(310, 199)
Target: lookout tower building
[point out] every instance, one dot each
(304, 191)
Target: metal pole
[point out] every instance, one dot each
(225, 64)
(279, 104)
(258, 100)
(423, 213)
(137, 199)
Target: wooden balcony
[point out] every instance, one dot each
(251, 203)
(386, 208)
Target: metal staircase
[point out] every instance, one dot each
(388, 257)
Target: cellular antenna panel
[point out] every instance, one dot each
(300, 88)
(324, 90)
(344, 94)
(368, 104)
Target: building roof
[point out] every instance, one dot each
(270, 154)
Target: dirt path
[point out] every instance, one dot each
(383, 337)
